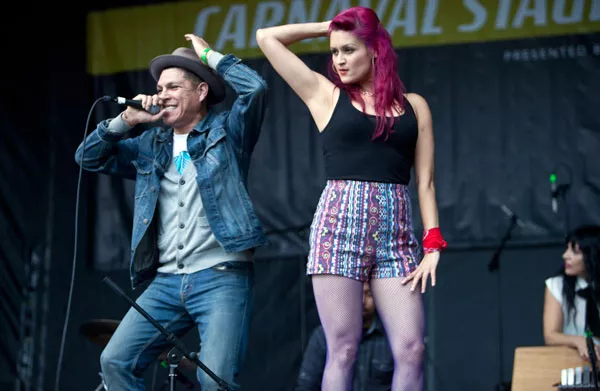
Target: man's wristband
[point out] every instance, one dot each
(204, 55)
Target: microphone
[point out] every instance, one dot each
(136, 104)
(553, 192)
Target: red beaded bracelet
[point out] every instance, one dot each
(433, 241)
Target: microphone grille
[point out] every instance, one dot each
(154, 109)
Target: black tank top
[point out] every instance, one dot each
(350, 153)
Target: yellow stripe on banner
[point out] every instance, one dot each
(126, 39)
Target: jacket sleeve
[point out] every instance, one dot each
(108, 152)
(313, 362)
(247, 112)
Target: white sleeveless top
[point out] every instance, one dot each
(571, 325)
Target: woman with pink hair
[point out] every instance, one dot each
(373, 133)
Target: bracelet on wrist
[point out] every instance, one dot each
(433, 241)
(204, 55)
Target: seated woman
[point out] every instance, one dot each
(565, 304)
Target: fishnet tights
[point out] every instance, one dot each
(339, 302)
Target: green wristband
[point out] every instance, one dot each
(204, 53)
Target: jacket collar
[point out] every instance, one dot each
(204, 125)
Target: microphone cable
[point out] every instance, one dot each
(75, 238)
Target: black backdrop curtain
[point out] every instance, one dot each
(506, 115)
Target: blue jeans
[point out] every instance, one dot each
(217, 300)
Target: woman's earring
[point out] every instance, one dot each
(373, 62)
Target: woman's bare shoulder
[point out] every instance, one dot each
(419, 105)
(416, 100)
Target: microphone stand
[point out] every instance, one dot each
(494, 265)
(173, 358)
(172, 338)
(589, 339)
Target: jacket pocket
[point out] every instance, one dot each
(214, 138)
(143, 182)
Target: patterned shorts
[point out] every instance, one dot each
(363, 230)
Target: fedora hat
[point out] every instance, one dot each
(187, 58)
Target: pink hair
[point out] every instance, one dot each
(388, 88)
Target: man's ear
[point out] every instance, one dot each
(202, 90)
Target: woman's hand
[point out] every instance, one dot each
(581, 346)
(425, 270)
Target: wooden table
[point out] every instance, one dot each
(538, 368)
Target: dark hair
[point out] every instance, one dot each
(587, 239)
(191, 76)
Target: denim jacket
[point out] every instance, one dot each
(220, 146)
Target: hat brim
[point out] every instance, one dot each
(216, 85)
